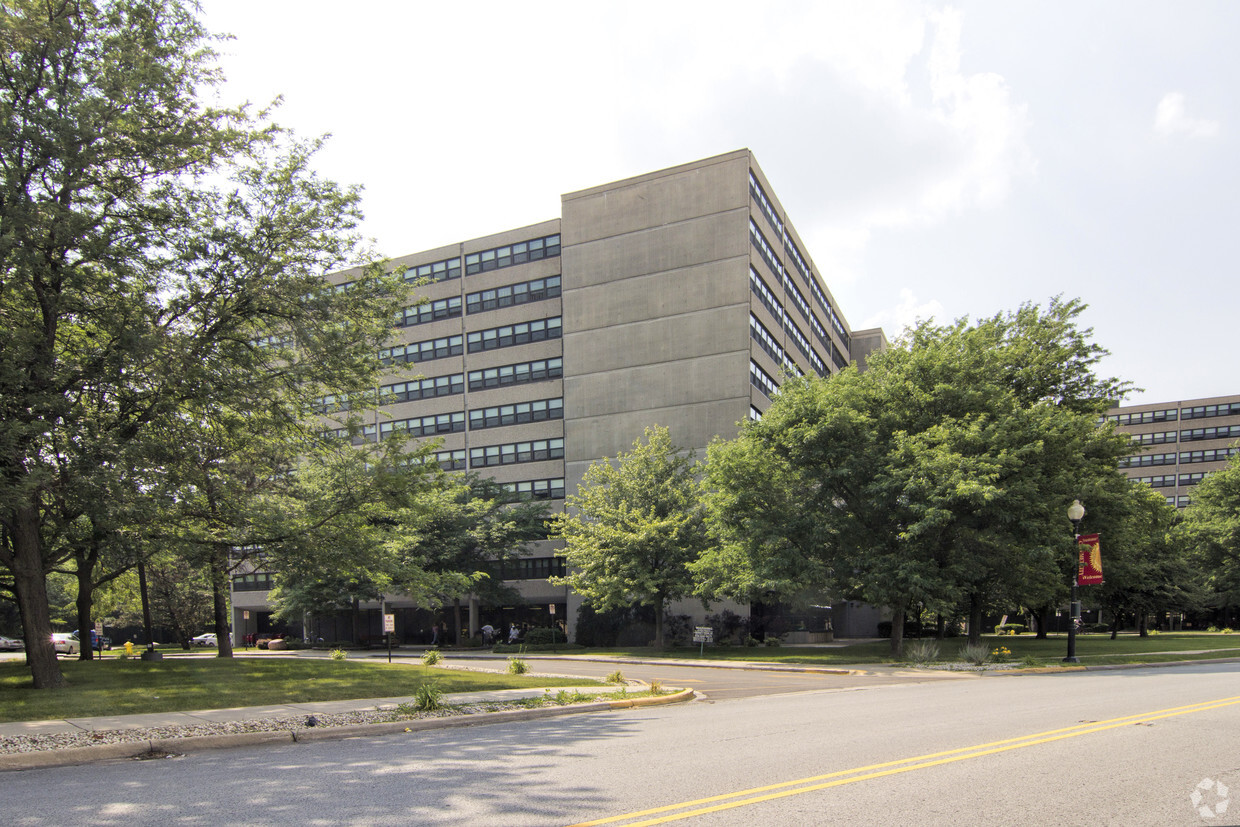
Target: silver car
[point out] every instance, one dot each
(66, 643)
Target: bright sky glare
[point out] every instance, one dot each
(938, 160)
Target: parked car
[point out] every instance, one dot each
(11, 643)
(208, 639)
(97, 643)
(66, 643)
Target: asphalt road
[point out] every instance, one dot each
(1126, 747)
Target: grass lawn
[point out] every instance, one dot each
(123, 687)
(1090, 649)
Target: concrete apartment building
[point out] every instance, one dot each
(1175, 444)
(678, 298)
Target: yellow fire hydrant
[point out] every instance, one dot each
(129, 648)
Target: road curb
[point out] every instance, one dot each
(196, 743)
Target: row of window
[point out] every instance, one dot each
(1145, 417)
(764, 294)
(436, 271)
(514, 334)
(499, 257)
(1158, 438)
(428, 388)
(258, 582)
(516, 414)
(536, 489)
(445, 423)
(1148, 459)
(448, 308)
(513, 294)
(798, 260)
(537, 450)
(762, 381)
(1211, 455)
(526, 568)
(1181, 501)
(451, 460)
(1206, 411)
(1187, 435)
(1172, 480)
(518, 374)
(439, 348)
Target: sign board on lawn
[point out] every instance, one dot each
(389, 623)
(703, 634)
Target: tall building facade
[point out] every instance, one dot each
(1175, 444)
(679, 298)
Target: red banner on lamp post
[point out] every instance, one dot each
(1089, 560)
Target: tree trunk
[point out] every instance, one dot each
(1116, 619)
(1143, 624)
(940, 627)
(148, 628)
(85, 599)
(897, 633)
(357, 621)
(30, 584)
(219, 600)
(975, 620)
(456, 619)
(1044, 622)
(658, 623)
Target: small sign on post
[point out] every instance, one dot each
(389, 628)
(703, 635)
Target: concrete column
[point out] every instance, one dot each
(473, 615)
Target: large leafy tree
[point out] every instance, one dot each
(132, 293)
(934, 478)
(634, 527)
(1211, 532)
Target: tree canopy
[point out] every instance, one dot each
(634, 527)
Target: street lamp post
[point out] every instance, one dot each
(1076, 513)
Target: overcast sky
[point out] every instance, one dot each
(938, 160)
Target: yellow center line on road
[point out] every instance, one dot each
(804, 785)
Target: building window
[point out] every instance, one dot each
(1158, 438)
(1142, 460)
(513, 294)
(1162, 481)
(446, 423)
(1207, 411)
(499, 257)
(536, 489)
(515, 452)
(1145, 417)
(1192, 479)
(530, 568)
(1211, 455)
(429, 312)
(516, 414)
(429, 388)
(762, 381)
(518, 374)
(1221, 432)
(451, 460)
(438, 271)
(257, 582)
(423, 351)
(514, 334)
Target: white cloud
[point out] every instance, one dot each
(1171, 118)
(907, 313)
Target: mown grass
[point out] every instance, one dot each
(125, 687)
(1097, 649)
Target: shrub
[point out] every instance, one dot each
(432, 657)
(544, 635)
(921, 652)
(339, 654)
(517, 666)
(1011, 629)
(656, 687)
(615, 677)
(428, 697)
(1000, 654)
(772, 640)
(975, 653)
(474, 642)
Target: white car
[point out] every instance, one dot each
(209, 639)
(66, 643)
(11, 643)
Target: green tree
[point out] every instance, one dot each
(132, 293)
(634, 527)
(933, 479)
(1211, 532)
